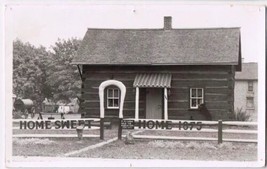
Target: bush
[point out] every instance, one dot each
(239, 115)
(17, 114)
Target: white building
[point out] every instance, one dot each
(246, 89)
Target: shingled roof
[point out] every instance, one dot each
(219, 46)
(249, 72)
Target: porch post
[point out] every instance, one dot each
(136, 103)
(165, 104)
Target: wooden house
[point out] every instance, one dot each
(167, 72)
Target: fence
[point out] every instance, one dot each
(218, 125)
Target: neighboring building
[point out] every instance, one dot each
(167, 72)
(246, 89)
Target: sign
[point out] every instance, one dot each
(57, 124)
(127, 124)
(160, 124)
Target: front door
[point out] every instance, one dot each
(154, 103)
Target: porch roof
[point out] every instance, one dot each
(156, 80)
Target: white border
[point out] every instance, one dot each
(72, 162)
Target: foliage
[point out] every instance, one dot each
(240, 115)
(29, 72)
(39, 73)
(16, 114)
(64, 78)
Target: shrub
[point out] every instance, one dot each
(17, 114)
(239, 115)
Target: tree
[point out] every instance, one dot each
(30, 72)
(63, 77)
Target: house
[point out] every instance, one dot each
(167, 72)
(246, 89)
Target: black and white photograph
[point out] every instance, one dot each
(134, 84)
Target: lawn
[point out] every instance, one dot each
(179, 150)
(49, 146)
(142, 149)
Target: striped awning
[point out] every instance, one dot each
(159, 80)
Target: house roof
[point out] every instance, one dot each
(218, 46)
(249, 72)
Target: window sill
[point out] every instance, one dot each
(113, 108)
(192, 109)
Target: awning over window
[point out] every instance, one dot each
(159, 80)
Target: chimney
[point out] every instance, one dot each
(167, 22)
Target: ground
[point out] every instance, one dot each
(141, 149)
(179, 150)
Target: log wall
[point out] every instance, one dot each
(217, 81)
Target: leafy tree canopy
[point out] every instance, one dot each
(39, 73)
(63, 77)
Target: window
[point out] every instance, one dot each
(196, 97)
(250, 86)
(113, 98)
(250, 102)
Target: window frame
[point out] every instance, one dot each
(196, 97)
(247, 103)
(113, 97)
(250, 86)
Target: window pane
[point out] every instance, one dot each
(116, 102)
(110, 93)
(193, 93)
(250, 86)
(250, 102)
(110, 102)
(194, 103)
(199, 101)
(199, 92)
(116, 93)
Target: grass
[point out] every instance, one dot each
(180, 150)
(49, 146)
(142, 149)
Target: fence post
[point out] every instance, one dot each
(219, 131)
(120, 129)
(102, 128)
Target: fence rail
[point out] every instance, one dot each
(220, 130)
(219, 127)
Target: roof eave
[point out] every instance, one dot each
(156, 64)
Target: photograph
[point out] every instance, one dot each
(134, 84)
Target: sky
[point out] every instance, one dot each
(45, 24)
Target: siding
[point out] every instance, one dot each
(241, 92)
(217, 81)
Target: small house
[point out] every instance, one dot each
(167, 72)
